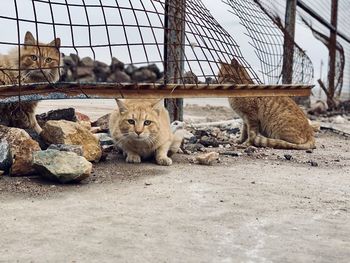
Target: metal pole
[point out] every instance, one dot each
(332, 54)
(174, 39)
(288, 47)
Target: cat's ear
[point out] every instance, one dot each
(158, 105)
(56, 43)
(29, 39)
(121, 106)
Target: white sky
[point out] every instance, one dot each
(8, 33)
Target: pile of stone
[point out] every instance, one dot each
(63, 152)
(88, 70)
(199, 139)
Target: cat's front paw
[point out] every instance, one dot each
(166, 161)
(133, 158)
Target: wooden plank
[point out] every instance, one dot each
(110, 90)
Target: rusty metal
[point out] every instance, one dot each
(332, 54)
(288, 46)
(42, 91)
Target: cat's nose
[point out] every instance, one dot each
(138, 132)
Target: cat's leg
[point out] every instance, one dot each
(253, 131)
(162, 154)
(132, 157)
(37, 127)
(244, 134)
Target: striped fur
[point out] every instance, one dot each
(276, 122)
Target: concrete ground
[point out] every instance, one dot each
(251, 208)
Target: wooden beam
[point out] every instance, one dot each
(29, 92)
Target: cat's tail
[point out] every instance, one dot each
(178, 137)
(262, 141)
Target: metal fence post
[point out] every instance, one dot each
(174, 39)
(288, 47)
(332, 54)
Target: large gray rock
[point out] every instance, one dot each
(5, 156)
(119, 77)
(77, 149)
(104, 139)
(102, 123)
(63, 167)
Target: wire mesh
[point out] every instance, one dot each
(323, 8)
(265, 27)
(119, 42)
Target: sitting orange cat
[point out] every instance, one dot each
(141, 128)
(276, 122)
(39, 63)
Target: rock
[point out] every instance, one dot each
(61, 114)
(102, 122)
(66, 132)
(232, 153)
(119, 77)
(77, 149)
(144, 75)
(87, 62)
(319, 107)
(36, 137)
(313, 163)
(154, 68)
(104, 139)
(116, 64)
(106, 149)
(64, 167)
(209, 141)
(194, 147)
(339, 120)
(190, 78)
(22, 147)
(75, 58)
(83, 120)
(251, 149)
(69, 62)
(288, 157)
(5, 156)
(233, 130)
(130, 69)
(2, 172)
(207, 158)
(84, 72)
(101, 71)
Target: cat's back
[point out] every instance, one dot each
(281, 115)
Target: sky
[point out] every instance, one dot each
(8, 33)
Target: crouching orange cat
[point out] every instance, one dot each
(141, 128)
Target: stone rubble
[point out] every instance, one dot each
(22, 147)
(66, 132)
(60, 166)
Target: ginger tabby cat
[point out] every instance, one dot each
(39, 63)
(141, 128)
(275, 122)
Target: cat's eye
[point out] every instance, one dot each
(147, 122)
(48, 60)
(131, 121)
(34, 58)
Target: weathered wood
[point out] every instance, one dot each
(174, 45)
(9, 93)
